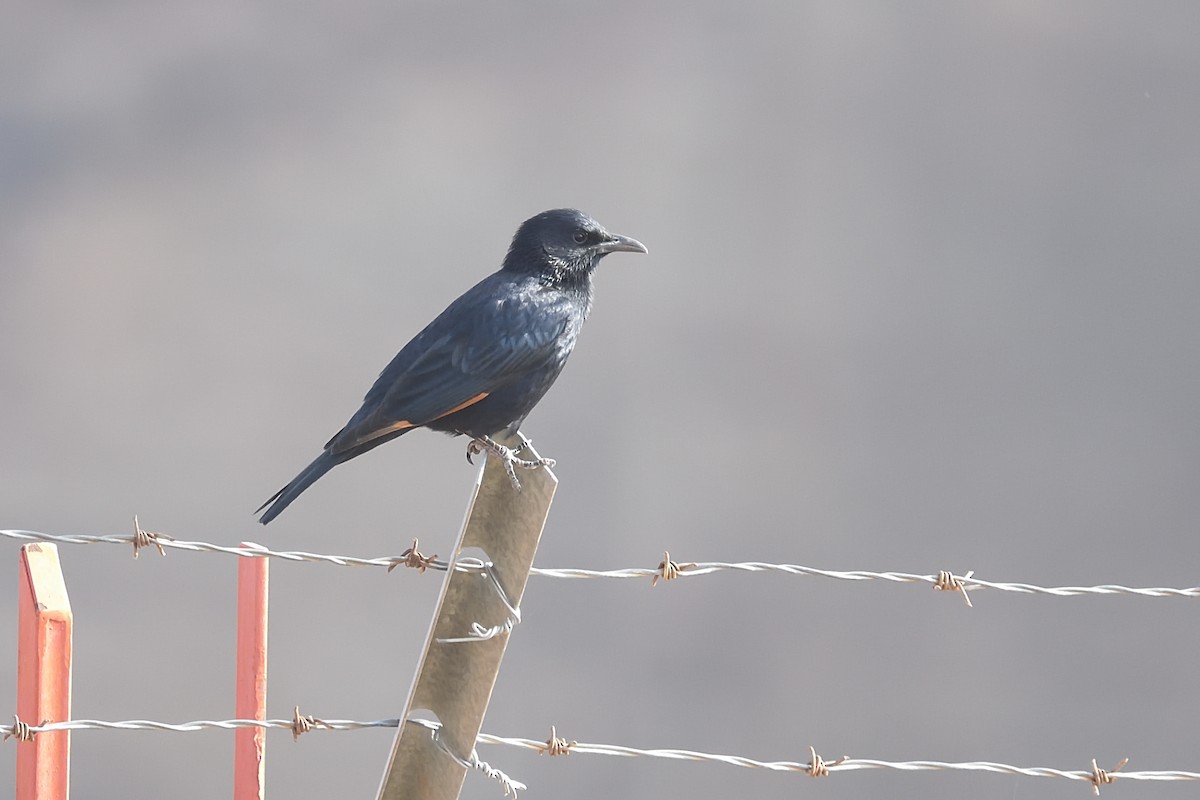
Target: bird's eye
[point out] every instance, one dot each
(580, 236)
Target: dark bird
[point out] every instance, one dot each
(485, 362)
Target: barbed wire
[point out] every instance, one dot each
(815, 767)
(18, 729)
(666, 569)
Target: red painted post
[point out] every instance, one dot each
(249, 755)
(43, 673)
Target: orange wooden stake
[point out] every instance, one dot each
(249, 755)
(43, 674)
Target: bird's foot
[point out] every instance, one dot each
(509, 456)
(475, 447)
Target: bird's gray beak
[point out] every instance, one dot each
(620, 244)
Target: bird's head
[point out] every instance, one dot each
(563, 244)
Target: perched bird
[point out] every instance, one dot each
(485, 362)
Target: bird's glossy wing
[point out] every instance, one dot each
(471, 350)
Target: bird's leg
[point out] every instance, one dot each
(507, 455)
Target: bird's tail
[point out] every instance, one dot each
(284, 497)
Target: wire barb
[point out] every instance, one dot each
(556, 746)
(948, 582)
(143, 538)
(302, 725)
(668, 570)
(1101, 777)
(817, 767)
(414, 559)
(20, 731)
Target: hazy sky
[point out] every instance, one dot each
(920, 295)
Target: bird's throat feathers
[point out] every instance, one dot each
(551, 267)
(571, 280)
(566, 273)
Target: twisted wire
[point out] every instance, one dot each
(971, 583)
(845, 764)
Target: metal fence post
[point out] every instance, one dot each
(43, 674)
(456, 678)
(250, 744)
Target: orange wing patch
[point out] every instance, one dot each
(463, 405)
(405, 424)
(384, 431)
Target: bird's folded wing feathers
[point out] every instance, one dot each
(452, 372)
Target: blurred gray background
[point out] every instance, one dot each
(920, 295)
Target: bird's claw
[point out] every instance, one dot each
(508, 456)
